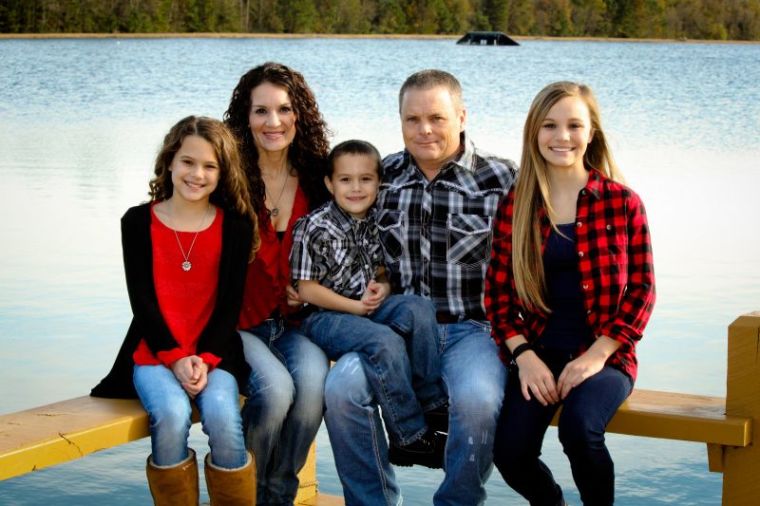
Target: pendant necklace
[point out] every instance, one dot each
(186, 265)
(275, 208)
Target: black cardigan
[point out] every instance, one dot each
(219, 336)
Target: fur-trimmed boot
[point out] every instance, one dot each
(174, 485)
(231, 487)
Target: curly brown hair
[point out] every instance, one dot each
(308, 152)
(231, 193)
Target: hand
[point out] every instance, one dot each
(536, 378)
(194, 389)
(577, 371)
(373, 296)
(376, 292)
(191, 372)
(292, 297)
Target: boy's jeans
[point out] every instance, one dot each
(402, 328)
(475, 379)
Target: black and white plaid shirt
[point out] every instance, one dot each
(339, 252)
(437, 234)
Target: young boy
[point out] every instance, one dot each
(336, 264)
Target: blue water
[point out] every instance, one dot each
(81, 121)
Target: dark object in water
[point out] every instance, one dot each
(487, 39)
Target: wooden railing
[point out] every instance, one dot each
(67, 430)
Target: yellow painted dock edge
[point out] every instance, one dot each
(67, 430)
(48, 435)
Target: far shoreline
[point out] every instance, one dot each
(235, 35)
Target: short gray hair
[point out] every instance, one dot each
(430, 78)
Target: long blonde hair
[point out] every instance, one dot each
(232, 192)
(532, 188)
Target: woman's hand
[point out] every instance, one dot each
(292, 297)
(536, 378)
(591, 362)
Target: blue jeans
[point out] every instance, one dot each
(284, 407)
(585, 414)
(404, 381)
(474, 377)
(168, 406)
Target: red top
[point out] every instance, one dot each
(615, 263)
(269, 274)
(186, 299)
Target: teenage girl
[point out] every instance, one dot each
(185, 257)
(569, 291)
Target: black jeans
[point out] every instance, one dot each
(585, 414)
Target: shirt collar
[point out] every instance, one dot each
(595, 183)
(345, 221)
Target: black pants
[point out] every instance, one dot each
(585, 414)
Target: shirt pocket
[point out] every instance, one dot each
(390, 226)
(613, 253)
(468, 239)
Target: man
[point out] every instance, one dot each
(436, 205)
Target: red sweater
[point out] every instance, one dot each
(186, 299)
(269, 274)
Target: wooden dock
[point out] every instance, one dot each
(45, 436)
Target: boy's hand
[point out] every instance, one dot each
(374, 296)
(376, 292)
(294, 300)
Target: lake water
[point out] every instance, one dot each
(81, 121)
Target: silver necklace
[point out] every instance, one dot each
(276, 209)
(187, 265)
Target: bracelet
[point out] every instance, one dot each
(521, 348)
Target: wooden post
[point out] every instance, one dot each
(742, 465)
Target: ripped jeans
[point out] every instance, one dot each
(475, 378)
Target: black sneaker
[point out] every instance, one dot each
(437, 419)
(426, 451)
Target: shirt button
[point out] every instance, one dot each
(580, 254)
(609, 227)
(585, 287)
(583, 192)
(588, 311)
(579, 224)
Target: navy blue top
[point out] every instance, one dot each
(566, 328)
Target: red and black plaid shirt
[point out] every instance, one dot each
(615, 263)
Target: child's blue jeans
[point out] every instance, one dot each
(168, 406)
(398, 345)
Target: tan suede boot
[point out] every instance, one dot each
(174, 485)
(231, 487)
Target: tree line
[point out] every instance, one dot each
(673, 19)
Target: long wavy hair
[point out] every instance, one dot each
(308, 152)
(532, 188)
(231, 193)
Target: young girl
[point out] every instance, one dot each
(569, 291)
(185, 256)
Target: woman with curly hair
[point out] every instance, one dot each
(283, 142)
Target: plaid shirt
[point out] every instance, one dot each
(339, 252)
(437, 234)
(615, 263)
